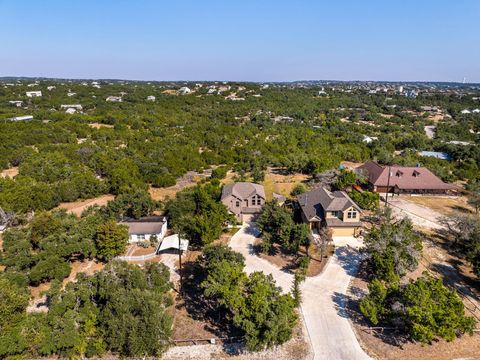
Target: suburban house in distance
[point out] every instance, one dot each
(335, 210)
(403, 180)
(144, 228)
(244, 200)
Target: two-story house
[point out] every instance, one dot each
(334, 210)
(244, 200)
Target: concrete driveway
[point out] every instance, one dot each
(323, 297)
(324, 305)
(243, 242)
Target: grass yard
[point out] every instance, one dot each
(443, 205)
(278, 182)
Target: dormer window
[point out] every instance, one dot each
(352, 214)
(399, 173)
(416, 173)
(237, 203)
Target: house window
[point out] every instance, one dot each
(335, 213)
(141, 237)
(352, 214)
(237, 203)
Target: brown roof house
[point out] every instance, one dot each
(335, 210)
(144, 228)
(402, 179)
(244, 200)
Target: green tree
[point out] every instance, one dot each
(111, 240)
(393, 249)
(298, 189)
(276, 221)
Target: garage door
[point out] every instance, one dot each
(343, 231)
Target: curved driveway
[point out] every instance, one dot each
(323, 297)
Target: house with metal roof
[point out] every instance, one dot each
(144, 228)
(244, 200)
(332, 209)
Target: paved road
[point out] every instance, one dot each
(324, 296)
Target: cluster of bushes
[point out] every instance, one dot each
(42, 250)
(278, 227)
(122, 309)
(464, 230)
(197, 214)
(423, 309)
(253, 304)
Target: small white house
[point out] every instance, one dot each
(71, 106)
(22, 118)
(369, 139)
(114, 99)
(71, 93)
(184, 90)
(144, 228)
(466, 111)
(50, 88)
(71, 111)
(17, 103)
(33, 93)
(150, 98)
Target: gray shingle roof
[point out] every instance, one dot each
(316, 202)
(243, 190)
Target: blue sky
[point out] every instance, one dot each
(242, 39)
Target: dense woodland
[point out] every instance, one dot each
(61, 158)
(123, 148)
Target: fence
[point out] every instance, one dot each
(137, 258)
(470, 305)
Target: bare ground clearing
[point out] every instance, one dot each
(190, 179)
(443, 205)
(99, 126)
(11, 172)
(77, 207)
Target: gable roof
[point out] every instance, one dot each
(243, 190)
(403, 177)
(145, 225)
(314, 203)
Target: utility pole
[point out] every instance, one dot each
(388, 184)
(180, 264)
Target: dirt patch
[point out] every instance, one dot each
(139, 251)
(443, 205)
(88, 267)
(277, 181)
(77, 207)
(296, 348)
(190, 179)
(187, 328)
(99, 125)
(36, 292)
(11, 172)
(288, 261)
